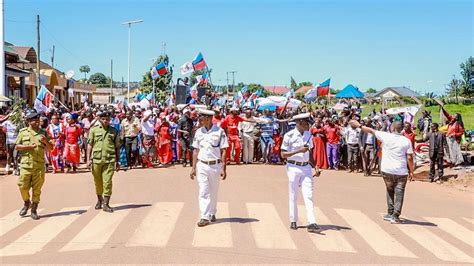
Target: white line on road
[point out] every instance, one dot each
(469, 220)
(374, 235)
(333, 239)
(216, 234)
(269, 232)
(11, 221)
(458, 231)
(97, 232)
(434, 244)
(34, 241)
(157, 227)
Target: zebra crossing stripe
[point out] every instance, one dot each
(97, 232)
(332, 239)
(470, 220)
(11, 221)
(373, 234)
(34, 241)
(458, 231)
(157, 227)
(433, 243)
(269, 232)
(217, 234)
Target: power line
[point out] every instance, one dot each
(61, 45)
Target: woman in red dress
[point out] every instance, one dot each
(319, 141)
(72, 152)
(165, 154)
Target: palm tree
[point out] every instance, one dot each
(85, 69)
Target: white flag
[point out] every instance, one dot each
(187, 68)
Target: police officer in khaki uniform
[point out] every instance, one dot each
(103, 152)
(209, 144)
(31, 143)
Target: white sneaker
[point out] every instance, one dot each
(7, 169)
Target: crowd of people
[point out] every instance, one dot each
(162, 136)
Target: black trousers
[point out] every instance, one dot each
(131, 150)
(185, 147)
(352, 156)
(436, 159)
(395, 185)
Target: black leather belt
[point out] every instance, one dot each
(210, 162)
(353, 144)
(298, 163)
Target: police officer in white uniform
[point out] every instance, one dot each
(210, 143)
(296, 147)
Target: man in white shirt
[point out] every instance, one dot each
(397, 165)
(296, 147)
(352, 136)
(209, 156)
(148, 141)
(248, 138)
(12, 154)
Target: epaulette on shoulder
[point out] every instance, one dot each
(23, 129)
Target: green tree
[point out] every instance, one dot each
(371, 90)
(454, 87)
(99, 79)
(467, 73)
(85, 69)
(162, 83)
(293, 84)
(305, 83)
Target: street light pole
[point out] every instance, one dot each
(129, 23)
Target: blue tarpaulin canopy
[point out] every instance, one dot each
(350, 91)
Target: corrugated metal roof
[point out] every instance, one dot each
(276, 89)
(401, 91)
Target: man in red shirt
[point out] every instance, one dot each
(408, 133)
(332, 148)
(230, 125)
(217, 118)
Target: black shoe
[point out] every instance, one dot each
(387, 217)
(98, 205)
(293, 226)
(395, 220)
(105, 206)
(184, 164)
(34, 214)
(213, 218)
(25, 208)
(313, 228)
(203, 222)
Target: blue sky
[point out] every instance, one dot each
(368, 43)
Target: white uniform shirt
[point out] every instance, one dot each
(210, 143)
(293, 140)
(394, 153)
(352, 135)
(370, 139)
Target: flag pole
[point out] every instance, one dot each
(56, 98)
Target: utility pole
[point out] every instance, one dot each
(233, 79)
(129, 23)
(3, 87)
(111, 79)
(38, 51)
(52, 58)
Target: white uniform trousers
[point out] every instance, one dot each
(300, 176)
(208, 179)
(248, 147)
